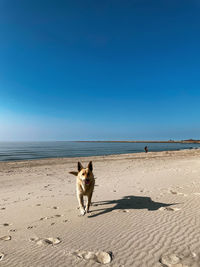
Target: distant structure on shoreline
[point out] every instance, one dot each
(191, 141)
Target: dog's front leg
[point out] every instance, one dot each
(81, 205)
(88, 203)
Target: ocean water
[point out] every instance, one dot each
(36, 150)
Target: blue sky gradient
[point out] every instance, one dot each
(99, 70)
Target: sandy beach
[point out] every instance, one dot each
(145, 212)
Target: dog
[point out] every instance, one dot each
(84, 186)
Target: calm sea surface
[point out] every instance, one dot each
(36, 150)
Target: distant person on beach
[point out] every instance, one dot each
(146, 149)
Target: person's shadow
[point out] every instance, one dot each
(128, 202)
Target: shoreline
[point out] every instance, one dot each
(29, 151)
(136, 155)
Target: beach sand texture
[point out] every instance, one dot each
(145, 212)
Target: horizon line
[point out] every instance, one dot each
(109, 141)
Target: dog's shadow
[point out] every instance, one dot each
(127, 203)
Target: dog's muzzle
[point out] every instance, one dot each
(87, 181)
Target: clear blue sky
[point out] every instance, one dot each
(99, 69)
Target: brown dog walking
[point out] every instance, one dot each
(84, 185)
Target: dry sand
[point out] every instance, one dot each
(145, 212)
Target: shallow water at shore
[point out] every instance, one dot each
(36, 150)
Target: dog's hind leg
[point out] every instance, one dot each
(81, 205)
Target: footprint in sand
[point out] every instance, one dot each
(1, 256)
(55, 208)
(46, 241)
(100, 256)
(121, 211)
(38, 205)
(197, 194)
(173, 260)
(3, 208)
(169, 209)
(177, 193)
(43, 218)
(5, 238)
(6, 224)
(12, 230)
(58, 215)
(180, 187)
(54, 216)
(31, 227)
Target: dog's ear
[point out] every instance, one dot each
(74, 173)
(90, 167)
(80, 167)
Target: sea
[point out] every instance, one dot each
(13, 151)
